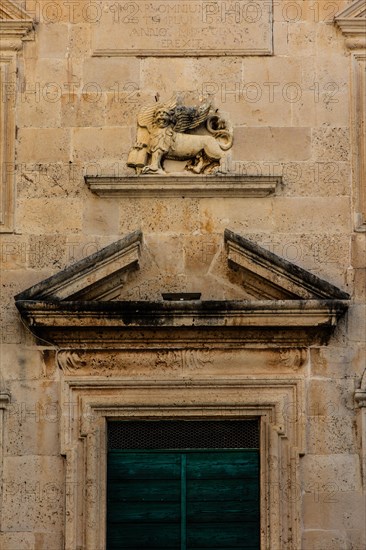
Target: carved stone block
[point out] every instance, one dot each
(184, 28)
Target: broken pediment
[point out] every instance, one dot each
(266, 275)
(14, 23)
(11, 12)
(86, 301)
(100, 276)
(355, 10)
(352, 22)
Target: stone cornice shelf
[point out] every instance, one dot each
(286, 322)
(234, 185)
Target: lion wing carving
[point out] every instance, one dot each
(160, 135)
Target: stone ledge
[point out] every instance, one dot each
(183, 186)
(284, 322)
(173, 52)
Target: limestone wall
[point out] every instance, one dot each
(76, 115)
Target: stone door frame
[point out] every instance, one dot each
(87, 405)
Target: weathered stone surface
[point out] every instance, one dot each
(336, 515)
(287, 215)
(321, 539)
(331, 143)
(50, 179)
(334, 362)
(68, 108)
(101, 218)
(85, 110)
(92, 143)
(29, 362)
(17, 541)
(258, 143)
(33, 417)
(340, 472)
(44, 145)
(357, 323)
(315, 179)
(34, 489)
(359, 251)
(39, 215)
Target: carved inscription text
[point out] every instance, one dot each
(184, 27)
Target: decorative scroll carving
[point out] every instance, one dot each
(70, 361)
(84, 363)
(292, 359)
(183, 359)
(179, 361)
(162, 133)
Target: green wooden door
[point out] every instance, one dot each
(183, 499)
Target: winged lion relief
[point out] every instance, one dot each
(175, 131)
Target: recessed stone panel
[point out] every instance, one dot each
(183, 28)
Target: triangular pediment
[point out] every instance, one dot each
(9, 11)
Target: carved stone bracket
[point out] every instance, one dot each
(231, 185)
(360, 394)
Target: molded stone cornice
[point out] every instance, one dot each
(285, 322)
(352, 22)
(173, 185)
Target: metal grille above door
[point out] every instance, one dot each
(181, 434)
(198, 492)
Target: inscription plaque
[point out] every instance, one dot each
(184, 28)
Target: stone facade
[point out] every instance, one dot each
(275, 244)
